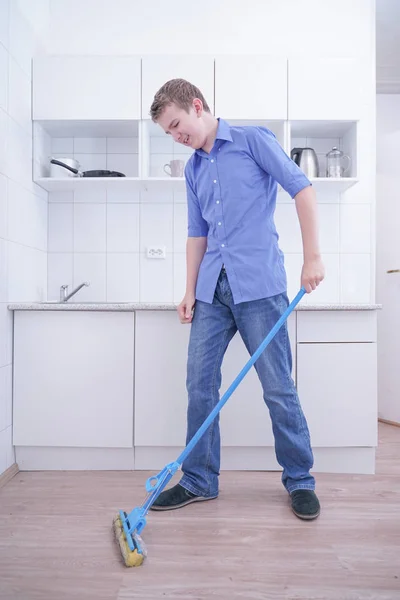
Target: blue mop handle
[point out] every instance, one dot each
(239, 378)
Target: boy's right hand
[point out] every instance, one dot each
(185, 309)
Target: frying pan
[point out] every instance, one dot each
(94, 173)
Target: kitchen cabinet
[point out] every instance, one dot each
(86, 88)
(337, 384)
(157, 70)
(251, 87)
(73, 379)
(160, 387)
(327, 88)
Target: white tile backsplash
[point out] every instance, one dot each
(122, 146)
(3, 269)
(123, 163)
(3, 78)
(60, 267)
(27, 217)
(19, 154)
(123, 221)
(92, 269)
(61, 196)
(5, 397)
(156, 226)
(19, 94)
(4, 22)
(61, 227)
(123, 196)
(89, 227)
(165, 196)
(328, 217)
(123, 277)
(179, 276)
(5, 335)
(355, 228)
(355, 273)
(95, 196)
(3, 205)
(3, 142)
(156, 279)
(288, 227)
(27, 273)
(162, 145)
(22, 38)
(90, 146)
(62, 145)
(180, 227)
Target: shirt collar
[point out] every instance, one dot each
(223, 133)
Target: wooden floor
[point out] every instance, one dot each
(56, 540)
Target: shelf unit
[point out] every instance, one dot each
(141, 150)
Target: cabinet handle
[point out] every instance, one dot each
(393, 271)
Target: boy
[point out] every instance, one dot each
(236, 281)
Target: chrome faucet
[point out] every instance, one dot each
(64, 296)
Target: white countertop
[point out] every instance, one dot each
(133, 306)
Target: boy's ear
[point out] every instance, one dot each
(198, 106)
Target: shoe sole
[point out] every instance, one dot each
(182, 504)
(306, 517)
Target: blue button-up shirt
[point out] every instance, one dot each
(231, 196)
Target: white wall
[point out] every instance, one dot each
(23, 205)
(388, 254)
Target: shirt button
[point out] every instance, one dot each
(222, 245)
(215, 181)
(219, 223)
(212, 160)
(217, 201)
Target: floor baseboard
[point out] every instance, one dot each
(395, 423)
(8, 474)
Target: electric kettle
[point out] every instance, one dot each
(307, 160)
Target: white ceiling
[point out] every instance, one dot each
(388, 46)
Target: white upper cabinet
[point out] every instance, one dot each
(251, 87)
(330, 89)
(86, 87)
(157, 70)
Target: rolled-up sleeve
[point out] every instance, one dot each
(271, 157)
(197, 226)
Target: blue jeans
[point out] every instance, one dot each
(213, 327)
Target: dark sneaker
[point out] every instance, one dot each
(176, 497)
(305, 504)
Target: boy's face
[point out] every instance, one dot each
(186, 128)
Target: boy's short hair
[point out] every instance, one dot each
(179, 92)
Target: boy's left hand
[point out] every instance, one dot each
(312, 273)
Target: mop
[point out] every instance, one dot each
(128, 527)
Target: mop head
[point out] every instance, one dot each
(131, 558)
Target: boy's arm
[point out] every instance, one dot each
(271, 157)
(196, 246)
(313, 269)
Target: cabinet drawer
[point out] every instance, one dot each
(336, 326)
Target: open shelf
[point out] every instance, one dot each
(68, 184)
(322, 136)
(141, 149)
(333, 184)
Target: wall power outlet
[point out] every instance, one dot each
(156, 252)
